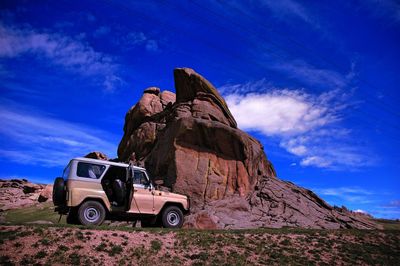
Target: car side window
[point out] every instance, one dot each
(89, 170)
(139, 178)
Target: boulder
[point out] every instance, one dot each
(46, 193)
(191, 142)
(96, 155)
(143, 122)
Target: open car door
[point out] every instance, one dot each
(142, 200)
(129, 188)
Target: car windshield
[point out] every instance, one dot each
(66, 171)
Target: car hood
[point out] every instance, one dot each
(170, 194)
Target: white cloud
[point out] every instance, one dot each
(291, 8)
(71, 53)
(307, 126)
(360, 211)
(41, 139)
(279, 112)
(315, 161)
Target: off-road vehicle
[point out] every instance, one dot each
(91, 191)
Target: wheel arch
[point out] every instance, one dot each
(100, 200)
(176, 204)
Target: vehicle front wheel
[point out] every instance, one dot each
(91, 213)
(172, 217)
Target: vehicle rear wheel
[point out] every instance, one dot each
(59, 192)
(91, 213)
(172, 217)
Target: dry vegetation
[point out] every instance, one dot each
(73, 245)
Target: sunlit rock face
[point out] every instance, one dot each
(191, 141)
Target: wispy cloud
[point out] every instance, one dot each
(46, 141)
(394, 204)
(307, 125)
(362, 200)
(390, 210)
(137, 39)
(310, 75)
(71, 53)
(284, 8)
(101, 31)
(347, 194)
(386, 9)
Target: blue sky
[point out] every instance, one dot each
(315, 81)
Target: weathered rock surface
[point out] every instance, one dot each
(191, 142)
(18, 193)
(46, 194)
(143, 122)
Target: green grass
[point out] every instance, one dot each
(389, 224)
(156, 245)
(32, 214)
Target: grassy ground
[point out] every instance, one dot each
(42, 213)
(28, 244)
(389, 224)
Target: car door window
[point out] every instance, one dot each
(139, 178)
(89, 170)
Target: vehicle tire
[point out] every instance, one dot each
(172, 217)
(91, 213)
(72, 216)
(59, 192)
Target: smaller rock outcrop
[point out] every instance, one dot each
(149, 119)
(96, 155)
(18, 193)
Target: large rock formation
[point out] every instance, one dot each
(191, 142)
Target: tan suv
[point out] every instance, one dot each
(91, 191)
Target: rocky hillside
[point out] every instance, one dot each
(18, 193)
(191, 141)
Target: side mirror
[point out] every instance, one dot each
(159, 182)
